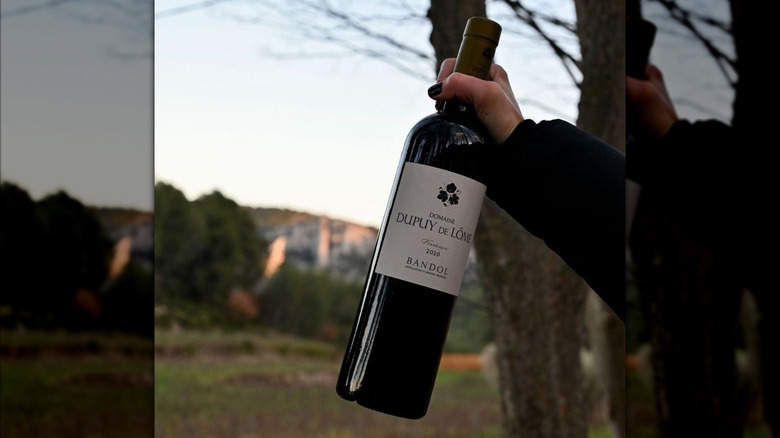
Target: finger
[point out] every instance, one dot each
(457, 85)
(501, 77)
(498, 74)
(485, 96)
(656, 77)
(447, 66)
(495, 109)
(653, 73)
(446, 69)
(637, 90)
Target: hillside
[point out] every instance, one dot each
(132, 232)
(307, 241)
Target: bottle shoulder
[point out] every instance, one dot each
(448, 141)
(441, 119)
(448, 128)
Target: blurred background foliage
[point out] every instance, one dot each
(76, 318)
(242, 350)
(203, 248)
(56, 261)
(209, 273)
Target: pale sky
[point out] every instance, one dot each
(76, 100)
(221, 101)
(695, 83)
(321, 135)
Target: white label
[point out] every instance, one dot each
(431, 226)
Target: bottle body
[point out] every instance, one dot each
(399, 332)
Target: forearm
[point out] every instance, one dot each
(568, 188)
(719, 187)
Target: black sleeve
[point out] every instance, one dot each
(720, 186)
(567, 187)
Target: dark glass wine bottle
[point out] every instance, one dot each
(422, 248)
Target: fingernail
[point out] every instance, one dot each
(435, 90)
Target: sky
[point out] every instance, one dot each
(237, 111)
(76, 86)
(235, 97)
(697, 86)
(322, 133)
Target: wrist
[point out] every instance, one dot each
(504, 125)
(662, 127)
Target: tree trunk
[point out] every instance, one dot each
(602, 106)
(690, 305)
(536, 301)
(753, 28)
(602, 113)
(448, 19)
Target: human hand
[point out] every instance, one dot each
(652, 102)
(493, 99)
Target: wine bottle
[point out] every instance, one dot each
(421, 252)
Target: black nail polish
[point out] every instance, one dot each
(435, 90)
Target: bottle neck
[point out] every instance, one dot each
(475, 55)
(457, 108)
(475, 58)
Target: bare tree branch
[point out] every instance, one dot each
(332, 26)
(188, 8)
(379, 53)
(531, 18)
(33, 8)
(132, 18)
(362, 34)
(706, 19)
(686, 19)
(352, 24)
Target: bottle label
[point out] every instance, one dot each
(429, 232)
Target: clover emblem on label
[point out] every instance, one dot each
(449, 195)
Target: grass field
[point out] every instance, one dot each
(214, 384)
(254, 386)
(75, 385)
